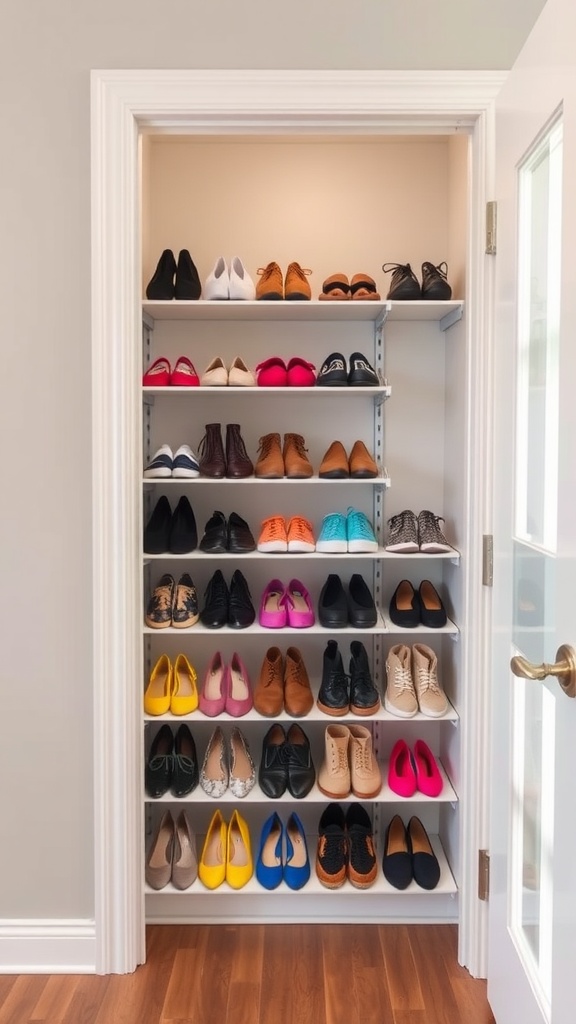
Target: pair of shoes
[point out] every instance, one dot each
(275, 373)
(222, 535)
(409, 609)
(349, 763)
(337, 287)
(283, 853)
(408, 855)
(336, 609)
(279, 534)
(336, 465)
(237, 376)
(168, 530)
(408, 532)
(346, 848)
(412, 682)
(161, 375)
(173, 280)
(333, 372)
(410, 771)
(226, 688)
(172, 854)
(214, 463)
(182, 464)
(173, 604)
(405, 284)
(351, 532)
(233, 282)
(271, 285)
(283, 685)
(227, 607)
(286, 763)
(171, 687)
(286, 606)
(172, 763)
(225, 767)
(227, 853)
(275, 462)
(340, 694)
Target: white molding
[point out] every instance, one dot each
(248, 102)
(47, 947)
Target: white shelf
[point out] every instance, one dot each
(314, 715)
(275, 635)
(313, 310)
(267, 556)
(378, 481)
(384, 391)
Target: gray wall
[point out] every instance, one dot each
(45, 512)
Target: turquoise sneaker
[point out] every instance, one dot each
(359, 532)
(333, 536)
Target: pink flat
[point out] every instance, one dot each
(301, 373)
(402, 770)
(272, 373)
(214, 688)
(184, 374)
(273, 613)
(428, 778)
(298, 605)
(158, 374)
(238, 692)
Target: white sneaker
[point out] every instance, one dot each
(185, 463)
(217, 284)
(241, 284)
(160, 464)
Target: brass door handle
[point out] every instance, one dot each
(564, 669)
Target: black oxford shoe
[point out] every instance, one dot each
(273, 770)
(158, 772)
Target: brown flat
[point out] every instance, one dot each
(335, 288)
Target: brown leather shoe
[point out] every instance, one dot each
(296, 286)
(362, 465)
(211, 451)
(298, 699)
(270, 285)
(270, 464)
(334, 465)
(296, 463)
(269, 689)
(238, 463)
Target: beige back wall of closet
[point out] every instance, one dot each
(45, 416)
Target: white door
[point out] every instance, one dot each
(532, 909)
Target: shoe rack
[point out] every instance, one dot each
(411, 423)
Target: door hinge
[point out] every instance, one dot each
(483, 875)
(491, 211)
(487, 560)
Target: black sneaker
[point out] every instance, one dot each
(362, 865)
(404, 284)
(434, 283)
(333, 696)
(364, 697)
(214, 614)
(332, 850)
(333, 373)
(361, 374)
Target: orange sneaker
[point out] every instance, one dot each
(300, 535)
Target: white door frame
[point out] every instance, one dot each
(124, 103)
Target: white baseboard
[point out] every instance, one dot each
(47, 947)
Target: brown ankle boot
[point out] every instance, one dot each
(212, 460)
(269, 690)
(298, 699)
(238, 463)
(296, 462)
(270, 464)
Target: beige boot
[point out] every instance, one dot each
(296, 463)
(400, 697)
(431, 697)
(334, 774)
(365, 774)
(270, 464)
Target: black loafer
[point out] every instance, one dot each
(185, 773)
(333, 372)
(214, 614)
(361, 607)
(214, 540)
(397, 859)
(158, 771)
(301, 772)
(432, 611)
(183, 532)
(405, 606)
(241, 611)
(361, 374)
(240, 538)
(161, 285)
(273, 770)
(425, 866)
(157, 530)
(332, 604)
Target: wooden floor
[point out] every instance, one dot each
(266, 974)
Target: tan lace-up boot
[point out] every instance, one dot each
(365, 774)
(431, 697)
(296, 463)
(270, 464)
(334, 774)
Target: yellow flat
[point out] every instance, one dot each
(239, 865)
(212, 866)
(184, 697)
(157, 694)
